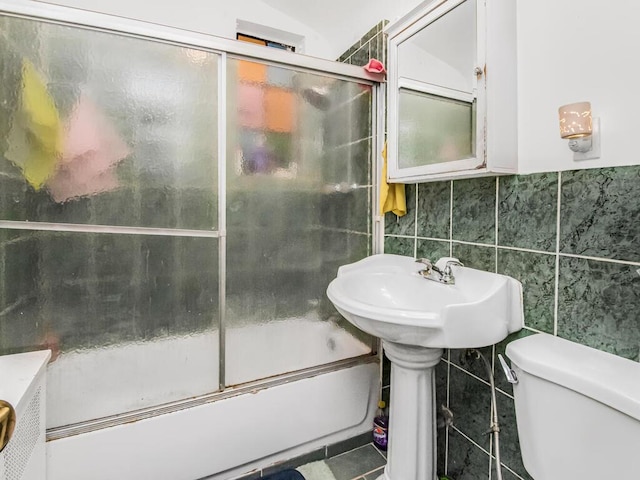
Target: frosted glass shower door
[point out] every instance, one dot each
(108, 216)
(298, 202)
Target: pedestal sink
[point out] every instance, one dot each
(416, 318)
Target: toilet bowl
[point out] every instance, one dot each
(577, 410)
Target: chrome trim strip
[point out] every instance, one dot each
(222, 220)
(82, 228)
(251, 387)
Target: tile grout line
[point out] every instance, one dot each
(495, 260)
(498, 389)
(599, 259)
(472, 375)
(469, 439)
(451, 219)
(519, 249)
(556, 302)
(493, 373)
(446, 430)
(415, 223)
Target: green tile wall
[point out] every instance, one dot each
(571, 238)
(371, 45)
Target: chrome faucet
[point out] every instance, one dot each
(433, 272)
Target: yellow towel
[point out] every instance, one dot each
(35, 139)
(392, 197)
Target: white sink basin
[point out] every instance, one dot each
(384, 295)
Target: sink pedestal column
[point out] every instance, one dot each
(412, 417)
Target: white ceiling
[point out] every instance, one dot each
(342, 22)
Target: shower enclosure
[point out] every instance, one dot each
(172, 208)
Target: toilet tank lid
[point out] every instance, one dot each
(607, 378)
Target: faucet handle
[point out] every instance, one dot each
(427, 263)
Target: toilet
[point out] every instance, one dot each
(577, 410)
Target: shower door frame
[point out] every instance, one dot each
(224, 48)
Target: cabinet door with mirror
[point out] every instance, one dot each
(451, 94)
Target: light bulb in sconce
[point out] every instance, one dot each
(582, 130)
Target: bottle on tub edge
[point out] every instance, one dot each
(381, 426)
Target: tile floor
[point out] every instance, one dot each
(362, 463)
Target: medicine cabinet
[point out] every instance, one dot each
(451, 110)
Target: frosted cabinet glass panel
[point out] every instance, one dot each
(97, 128)
(434, 129)
(299, 194)
(132, 320)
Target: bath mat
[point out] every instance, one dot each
(316, 471)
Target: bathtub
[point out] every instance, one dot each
(224, 438)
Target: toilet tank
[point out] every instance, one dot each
(577, 409)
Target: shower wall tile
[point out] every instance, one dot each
(536, 272)
(350, 119)
(470, 402)
(474, 210)
(600, 213)
(386, 394)
(506, 473)
(13, 205)
(432, 249)
(347, 164)
(399, 245)
(372, 42)
(475, 256)
(527, 211)
(598, 305)
(344, 210)
(362, 55)
(470, 362)
(597, 300)
(465, 460)
(19, 257)
(370, 34)
(379, 48)
(405, 225)
(441, 449)
(359, 167)
(434, 210)
(361, 121)
(386, 371)
(347, 54)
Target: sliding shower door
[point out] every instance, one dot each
(172, 210)
(108, 203)
(298, 202)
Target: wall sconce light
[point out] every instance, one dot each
(581, 129)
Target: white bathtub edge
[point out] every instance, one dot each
(226, 438)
